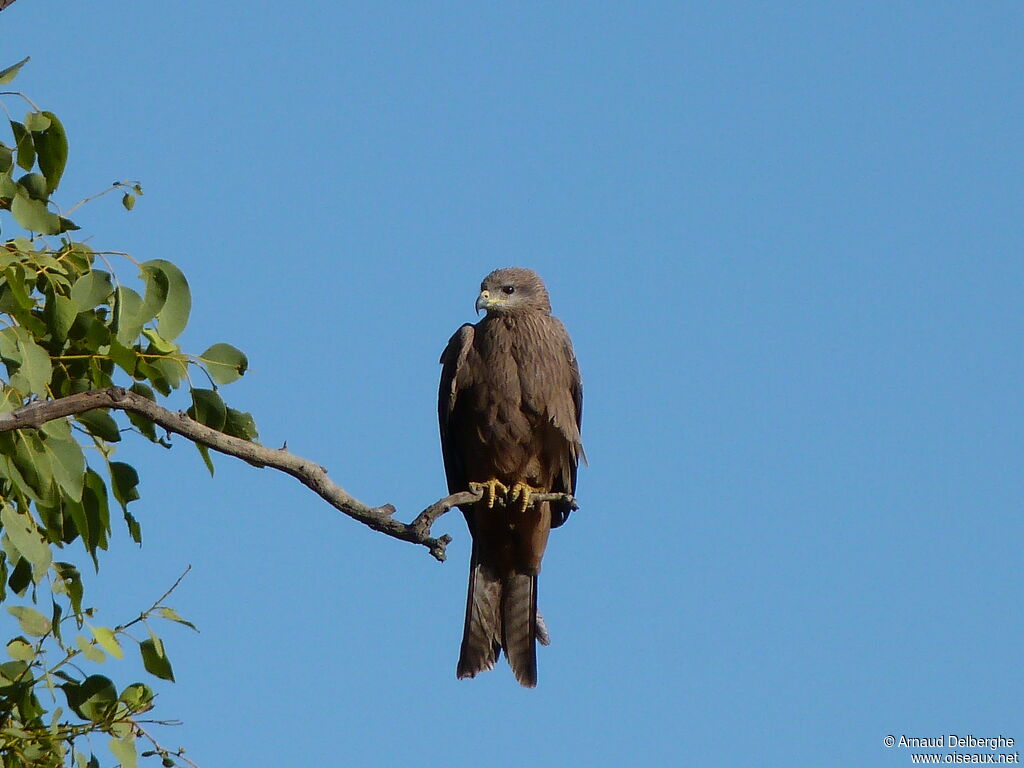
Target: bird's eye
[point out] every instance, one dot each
(508, 290)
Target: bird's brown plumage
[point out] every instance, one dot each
(510, 406)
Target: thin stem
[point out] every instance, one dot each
(22, 95)
(142, 616)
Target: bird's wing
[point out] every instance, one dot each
(561, 398)
(453, 378)
(576, 389)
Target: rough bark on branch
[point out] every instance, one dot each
(310, 474)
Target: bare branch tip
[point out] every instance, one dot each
(437, 548)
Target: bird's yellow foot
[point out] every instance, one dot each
(490, 489)
(524, 493)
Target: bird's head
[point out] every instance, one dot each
(511, 290)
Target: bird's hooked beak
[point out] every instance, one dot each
(483, 301)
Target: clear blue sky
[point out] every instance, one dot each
(788, 241)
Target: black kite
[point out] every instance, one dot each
(509, 406)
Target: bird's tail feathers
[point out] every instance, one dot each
(481, 636)
(519, 626)
(501, 613)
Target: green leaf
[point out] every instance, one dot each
(58, 429)
(68, 463)
(35, 371)
(34, 216)
(172, 615)
(93, 698)
(81, 514)
(134, 529)
(90, 651)
(240, 424)
(21, 649)
(26, 149)
(66, 225)
(208, 408)
(154, 376)
(138, 697)
(156, 291)
(124, 356)
(52, 149)
(8, 187)
(26, 539)
(15, 280)
(141, 423)
(154, 659)
(56, 613)
(9, 73)
(100, 424)
(51, 515)
(80, 256)
(141, 389)
(165, 370)
(159, 345)
(97, 511)
(21, 576)
(36, 121)
(72, 581)
(91, 289)
(124, 751)
(128, 201)
(123, 483)
(204, 452)
(128, 315)
(12, 672)
(9, 469)
(225, 363)
(108, 641)
(173, 317)
(60, 314)
(30, 708)
(44, 259)
(35, 185)
(31, 458)
(145, 426)
(31, 621)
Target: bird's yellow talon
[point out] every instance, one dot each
(524, 493)
(490, 490)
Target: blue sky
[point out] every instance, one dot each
(787, 240)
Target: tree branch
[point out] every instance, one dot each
(310, 474)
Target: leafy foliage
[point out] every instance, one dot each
(70, 323)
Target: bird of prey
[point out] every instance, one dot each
(510, 406)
